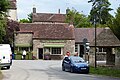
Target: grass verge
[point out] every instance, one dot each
(107, 71)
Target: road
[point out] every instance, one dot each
(44, 70)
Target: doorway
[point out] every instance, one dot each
(81, 50)
(40, 53)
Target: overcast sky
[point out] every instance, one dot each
(24, 7)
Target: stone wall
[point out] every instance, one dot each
(23, 39)
(69, 46)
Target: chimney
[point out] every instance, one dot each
(59, 11)
(34, 10)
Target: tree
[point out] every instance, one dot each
(4, 5)
(28, 20)
(30, 17)
(24, 21)
(11, 27)
(100, 11)
(115, 23)
(77, 19)
(2, 30)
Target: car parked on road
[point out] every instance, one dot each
(75, 64)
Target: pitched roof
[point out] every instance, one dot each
(106, 38)
(48, 17)
(49, 31)
(81, 33)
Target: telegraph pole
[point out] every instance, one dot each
(95, 40)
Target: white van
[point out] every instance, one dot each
(5, 56)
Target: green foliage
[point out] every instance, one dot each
(115, 23)
(28, 20)
(108, 71)
(4, 5)
(24, 21)
(77, 19)
(100, 11)
(30, 17)
(2, 30)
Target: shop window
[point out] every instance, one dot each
(47, 50)
(56, 50)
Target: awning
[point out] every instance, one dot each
(53, 45)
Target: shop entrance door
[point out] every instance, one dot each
(40, 53)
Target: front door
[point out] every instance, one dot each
(40, 53)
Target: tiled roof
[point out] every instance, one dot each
(106, 38)
(48, 17)
(49, 31)
(81, 33)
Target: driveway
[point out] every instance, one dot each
(44, 70)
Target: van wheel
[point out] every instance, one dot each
(8, 67)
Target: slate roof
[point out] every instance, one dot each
(49, 31)
(48, 17)
(81, 33)
(106, 39)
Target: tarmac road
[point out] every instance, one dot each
(44, 70)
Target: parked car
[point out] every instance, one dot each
(75, 64)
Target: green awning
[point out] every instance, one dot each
(53, 45)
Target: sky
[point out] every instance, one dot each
(24, 7)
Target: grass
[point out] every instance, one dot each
(107, 71)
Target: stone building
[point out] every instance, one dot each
(107, 45)
(48, 36)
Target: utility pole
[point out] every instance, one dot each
(95, 40)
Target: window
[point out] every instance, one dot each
(47, 50)
(102, 49)
(56, 50)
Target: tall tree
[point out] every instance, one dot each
(77, 19)
(100, 11)
(30, 17)
(115, 23)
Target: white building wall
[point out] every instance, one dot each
(12, 14)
